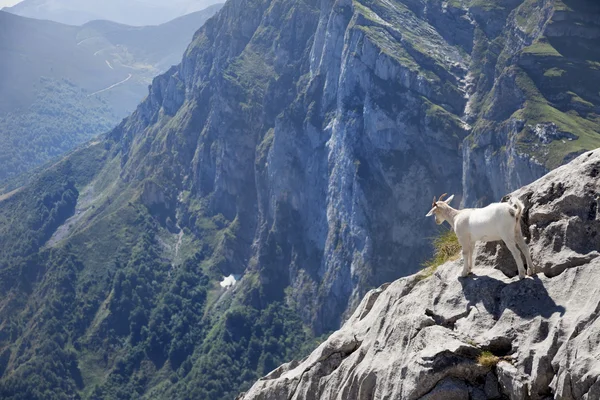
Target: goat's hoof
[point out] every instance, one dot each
(464, 275)
(522, 276)
(530, 272)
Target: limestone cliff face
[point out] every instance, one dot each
(323, 129)
(526, 105)
(421, 337)
(309, 125)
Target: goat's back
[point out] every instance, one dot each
(488, 223)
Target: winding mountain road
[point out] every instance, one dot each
(84, 40)
(111, 86)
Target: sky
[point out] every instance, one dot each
(8, 3)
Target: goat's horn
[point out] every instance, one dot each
(442, 196)
(433, 204)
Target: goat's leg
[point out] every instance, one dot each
(466, 251)
(517, 255)
(525, 250)
(472, 258)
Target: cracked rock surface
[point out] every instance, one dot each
(420, 338)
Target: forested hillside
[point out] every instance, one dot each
(62, 85)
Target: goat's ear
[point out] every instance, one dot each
(430, 213)
(449, 199)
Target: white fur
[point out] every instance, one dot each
(498, 221)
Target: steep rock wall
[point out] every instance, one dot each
(421, 337)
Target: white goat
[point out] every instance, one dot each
(498, 221)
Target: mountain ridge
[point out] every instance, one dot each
(137, 13)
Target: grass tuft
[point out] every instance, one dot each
(487, 359)
(445, 248)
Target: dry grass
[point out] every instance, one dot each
(446, 248)
(487, 359)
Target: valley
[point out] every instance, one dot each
(63, 85)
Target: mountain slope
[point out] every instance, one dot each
(161, 46)
(62, 85)
(130, 12)
(297, 147)
(541, 108)
(423, 337)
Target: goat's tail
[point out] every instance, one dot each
(519, 207)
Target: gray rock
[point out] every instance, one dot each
(420, 338)
(448, 389)
(549, 132)
(512, 382)
(491, 386)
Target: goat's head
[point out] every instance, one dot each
(438, 207)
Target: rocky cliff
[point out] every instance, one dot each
(311, 123)
(423, 337)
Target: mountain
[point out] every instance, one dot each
(481, 337)
(131, 12)
(296, 147)
(62, 85)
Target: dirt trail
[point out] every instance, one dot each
(8, 195)
(111, 86)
